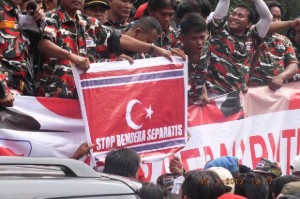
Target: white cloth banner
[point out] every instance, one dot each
(271, 129)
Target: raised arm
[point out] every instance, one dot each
(221, 10)
(266, 17)
(283, 25)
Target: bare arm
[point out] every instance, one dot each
(288, 73)
(283, 25)
(50, 49)
(132, 44)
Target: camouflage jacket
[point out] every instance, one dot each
(196, 77)
(114, 25)
(55, 78)
(229, 58)
(167, 40)
(15, 67)
(297, 51)
(272, 61)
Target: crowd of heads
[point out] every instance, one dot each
(221, 178)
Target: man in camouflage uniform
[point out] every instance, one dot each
(194, 36)
(74, 34)
(168, 39)
(146, 29)
(15, 69)
(77, 37)
(118, 13)
(277, 60)
(232, 44)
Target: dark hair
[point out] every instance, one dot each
(123, 162)
(272, 4)
(291, 33)
(251, 17)
(202, 7)
(192, 22)
(155, 5)
(251, 186)
(281, 181)
(203, 184)
(150, 191)
(147, 24)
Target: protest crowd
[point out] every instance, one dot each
(228, 51)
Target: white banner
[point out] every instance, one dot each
(271, 129)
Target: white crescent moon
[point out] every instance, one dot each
(128, 114)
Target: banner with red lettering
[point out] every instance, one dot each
(267, 126)
(48, 127)
(141, 106)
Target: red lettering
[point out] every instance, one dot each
(298, 142)
(233, 148)
(272, 143)
(257, 140)
(188, 154)
(243, 150)
(223, 150)
(208, 152)
(278, 152)
(288, 134)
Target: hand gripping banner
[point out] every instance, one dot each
(141, 106)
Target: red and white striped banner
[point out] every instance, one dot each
(264, 124)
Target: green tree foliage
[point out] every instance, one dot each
(291, 7)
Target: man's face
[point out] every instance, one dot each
(148, 37)
(238, 20)
(39, 3)
(276, 12)
(121, 8)
(98, 11)
(164, 17)
(195, 41)
(71, 5)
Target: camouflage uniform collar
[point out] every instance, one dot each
(114, 24)
(64, 16)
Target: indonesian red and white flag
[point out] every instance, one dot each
(141, 106)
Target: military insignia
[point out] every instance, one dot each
(90, 42)
(281, 47)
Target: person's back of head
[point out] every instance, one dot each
(192, 6)
(283, 180)
(147, 24)
(295, 164)
(251, 185)
(151, 191)
(225, 176)
(228, 162)
(193, 23)
(202, 184)
(124, 162)
(291, 188)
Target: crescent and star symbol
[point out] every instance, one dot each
(129, 108)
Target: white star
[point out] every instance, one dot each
(149, 112)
